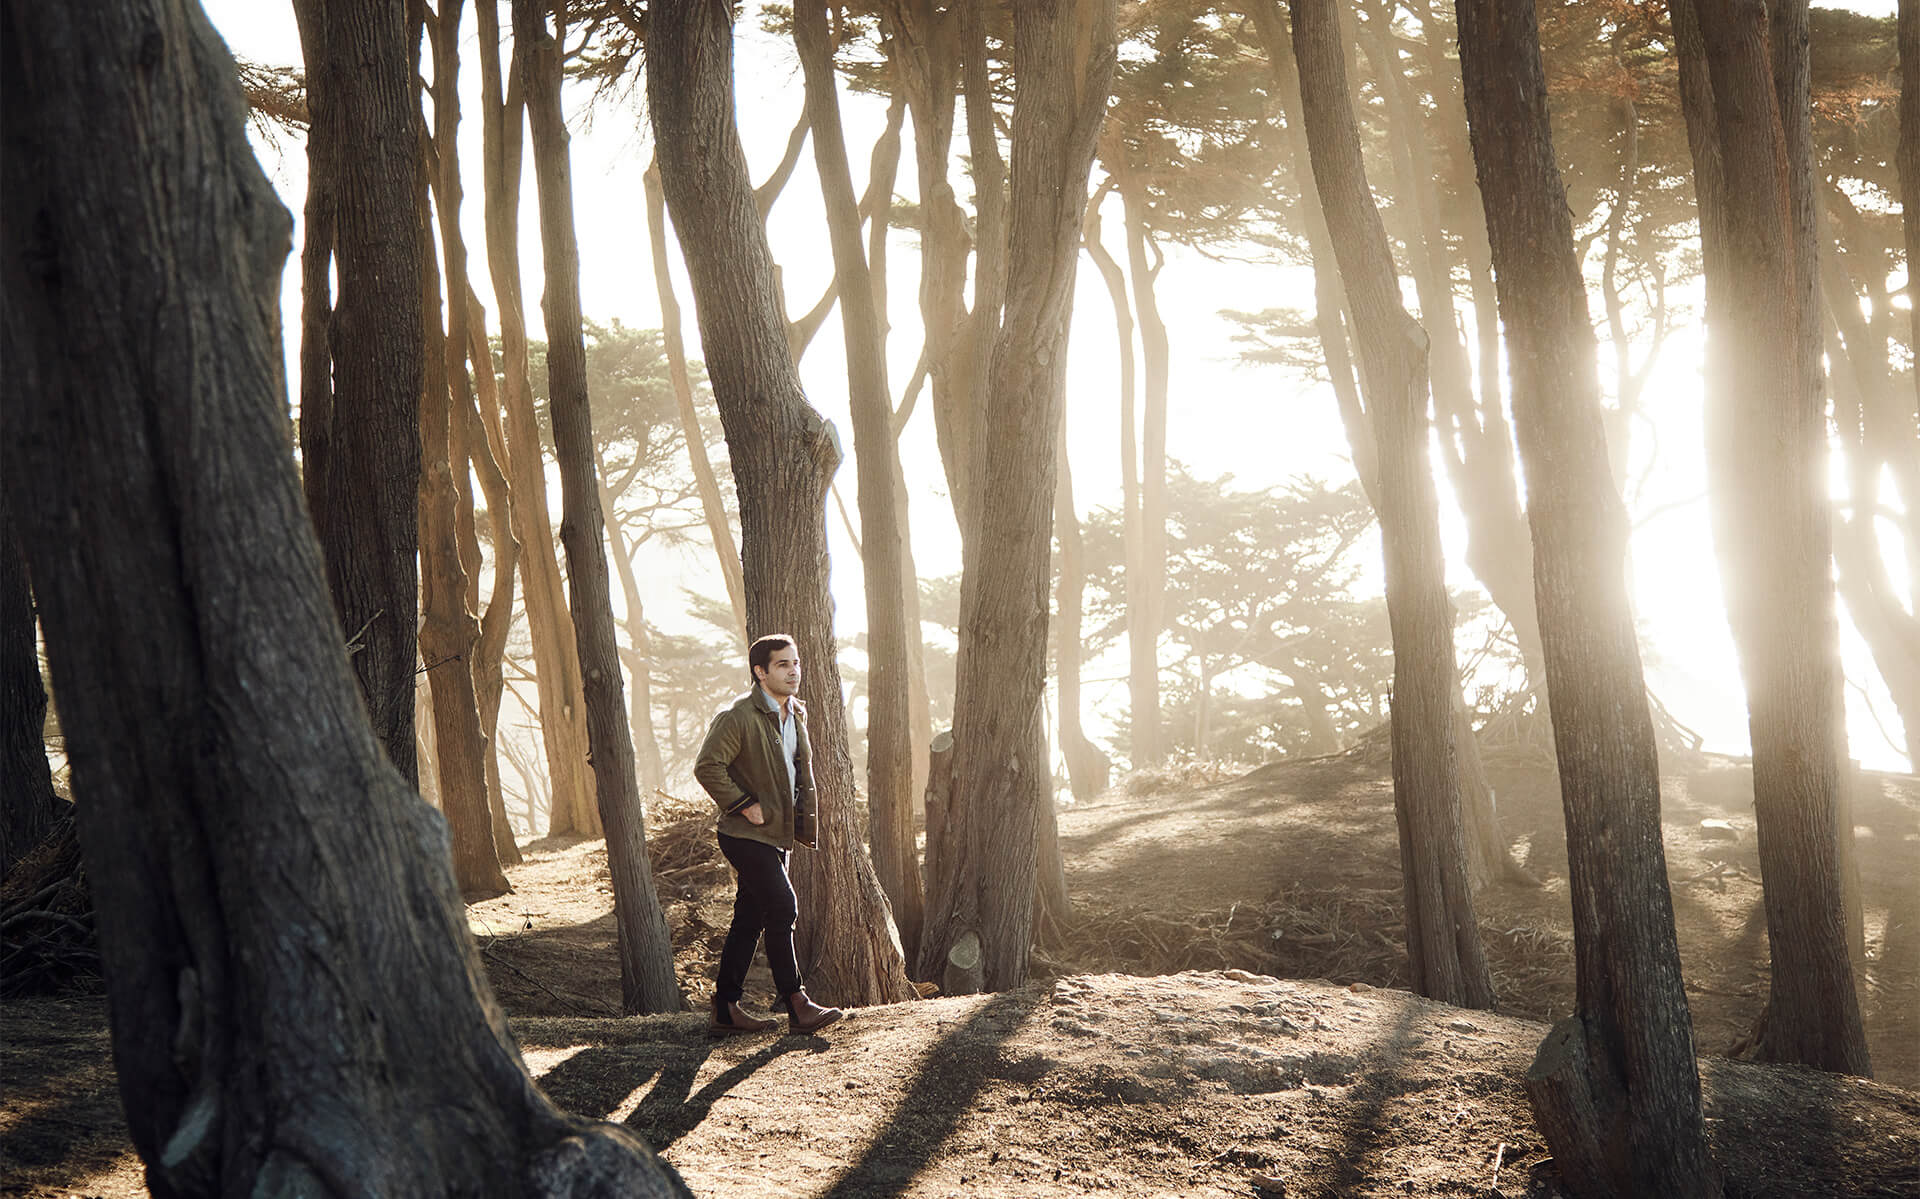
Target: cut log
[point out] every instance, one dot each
(963, 974)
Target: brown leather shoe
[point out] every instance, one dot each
(735, 1021)
(804, 1015)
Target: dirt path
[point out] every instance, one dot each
(1098, 1080)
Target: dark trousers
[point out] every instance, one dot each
(763, 903)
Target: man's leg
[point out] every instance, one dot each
(760, 872)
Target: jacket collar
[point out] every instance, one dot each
(764, 702)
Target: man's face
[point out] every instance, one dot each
(781, 675)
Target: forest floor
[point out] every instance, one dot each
(1223, 1019)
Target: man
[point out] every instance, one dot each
(757, 765)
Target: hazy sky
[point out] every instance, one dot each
(1262, 425)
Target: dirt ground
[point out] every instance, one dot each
(1220, 1021)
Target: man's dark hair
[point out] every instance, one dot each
(761, 652)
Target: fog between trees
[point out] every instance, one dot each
(1562, 197)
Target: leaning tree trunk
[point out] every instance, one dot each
(28, 806)
(783, 456)
(646, 951)
(297, 1006)
(1443, 942)
(889, 747)
(556, 658)
(361, 350)
(1614, 1087)
(1063, 59)
(448, 630)
(1766, 461)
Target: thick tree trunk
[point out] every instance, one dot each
(889, 749)
(556, 658)
(712, 505)
(448, 629)
(360, 354)
(297, 1005)
(1908, 160)
(1443, 941)
(646, 950)
(1063, 58)
(1766, 461)
(783, 455)
(1619, 1098)
(28, 805)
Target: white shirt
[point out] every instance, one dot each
(789, 742)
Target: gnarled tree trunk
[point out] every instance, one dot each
(1063, 66)
(1615, 1088)
(297, 1005)
(360, 349)
(1443, 942)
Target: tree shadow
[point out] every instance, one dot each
(670, 1111)
(1386, 1077)
(949, 1080)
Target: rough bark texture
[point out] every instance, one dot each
(1767, 474)
(646, 950)
(448, 629)
(1908, 159)
(361, 349)
(712, 505)
(1063, 58)
(1619, 1099)
(28, 806)
(1443, 943)
(889, 748)
(556, 659)
(783, 456)
(297, 1006)
(1488, 854)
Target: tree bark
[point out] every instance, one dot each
(1766, 460)
(1063, 65)
(448, 630)
(28, 805)
(889, 750)
(1443, 942)
(297, 1006)
(783, 456)
(646, 950)
(1907, 157)
(1629, 1072)
(556, 658)
(360, 354)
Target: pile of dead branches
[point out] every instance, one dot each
(47, 942)
(1349, 937)
(682, 849)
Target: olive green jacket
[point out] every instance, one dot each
(740, 762)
